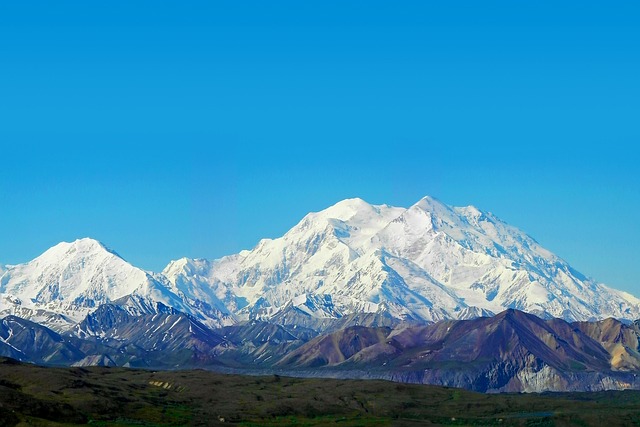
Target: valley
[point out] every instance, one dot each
(38, 396)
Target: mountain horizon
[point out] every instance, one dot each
(424, 263)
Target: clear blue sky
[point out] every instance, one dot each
(169, 129)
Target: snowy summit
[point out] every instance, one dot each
(427, 262)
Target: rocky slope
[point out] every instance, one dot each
(512, 351)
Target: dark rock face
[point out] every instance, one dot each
(31, 342)
(168, 338)
(512, 351)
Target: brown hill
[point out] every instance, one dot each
(335, 348)
(512, 351)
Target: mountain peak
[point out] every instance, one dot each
(70, 278)
(190, 266)
(78, 248)
(353, 201)
(512, 313)
(89, 244)
(433, 206)
(84, 243)
(430, 199)
(346, 209)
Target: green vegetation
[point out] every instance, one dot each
(37, 396)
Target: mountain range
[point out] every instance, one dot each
(511, 351)
(429, 262)
(356, 289)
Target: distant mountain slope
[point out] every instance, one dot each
(168, 339)
(620, 340)
(335, 348)
(425, 263)
(512, 351)
(111, 336)
(28, 341)
(61, 286)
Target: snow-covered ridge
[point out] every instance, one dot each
(70, 280)
(427, 262)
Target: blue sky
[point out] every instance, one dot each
(167, 129)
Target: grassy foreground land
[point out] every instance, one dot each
(37, 396)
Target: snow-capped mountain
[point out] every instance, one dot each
(61, 286)
(428, 262)
(364, 263)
